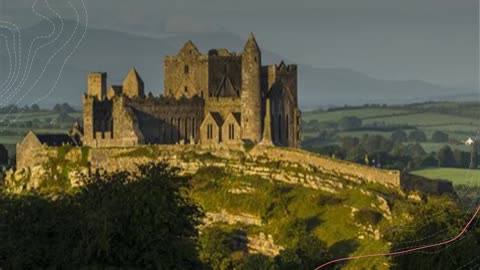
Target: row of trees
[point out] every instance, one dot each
(376, 150)
(345, 123)
(16, 109)
(351, 123)
(60, 107)
(419, 136)
(47, 122)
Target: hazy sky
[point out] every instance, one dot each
(431, 40)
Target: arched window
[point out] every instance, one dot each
(209, 131)
(187, 137)
(172, 129)
(287, 125)
(279, 127)
(231, 131)
(186, 69)
(160, 130)
(179, 127)
(193, 128)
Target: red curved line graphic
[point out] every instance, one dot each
(405, 251)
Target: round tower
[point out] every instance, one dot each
(251, 118)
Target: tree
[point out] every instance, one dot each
(414, 150)
(349, 123)
(474, 157)
(3, 155)
(445, 157)
(428, 226)
(348, 143)
(357, 154)
(64, 107)
(216, 246)
(376, 143)
(123, 220)
(64, 117)
(462, 158)
(309, 253)
(313, 124)
(255, 262)
(330, 151)
(399, 136)
(439, 137)
(35, 108)
(417, 136)
(429, 161)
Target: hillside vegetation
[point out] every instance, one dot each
(262, 221)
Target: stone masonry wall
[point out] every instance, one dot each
(186, 74)
(224, 106)
(346, 169)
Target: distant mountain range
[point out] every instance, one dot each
(115, 52)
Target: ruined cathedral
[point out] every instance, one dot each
(217, 98)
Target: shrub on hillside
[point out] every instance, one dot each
(368, 217)
(3, 155)
(120, 220)
(445, 157)
(399, 136)
(439, 137)
(417, 136)
(462, 158)
(437, 220)
(349, 123)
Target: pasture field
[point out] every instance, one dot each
(457, 176)
(14, 127)
(458, 120)
(427, 119)
(434, 147)
(363, 113)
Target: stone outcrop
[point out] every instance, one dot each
(225, 217)
(258, 243)
(287, 165)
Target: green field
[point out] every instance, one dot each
(459, 120)
(434, 147)
(363, 113)
(15, 126)
(457, 176)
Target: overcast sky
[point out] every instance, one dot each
(431, 40)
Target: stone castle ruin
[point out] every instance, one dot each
(217, 98)
(213, 104)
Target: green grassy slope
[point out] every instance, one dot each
(331, 217)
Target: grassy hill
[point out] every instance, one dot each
(249, 195)
(333, 218)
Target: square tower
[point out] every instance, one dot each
(97, 84)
